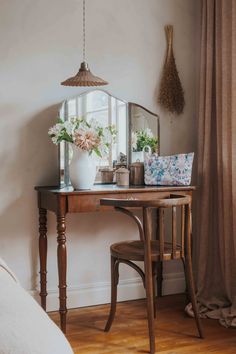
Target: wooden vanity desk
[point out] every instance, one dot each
(66, 200)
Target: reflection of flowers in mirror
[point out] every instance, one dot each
(88, 136)
(142, 138)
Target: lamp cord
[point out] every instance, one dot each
(84, 30)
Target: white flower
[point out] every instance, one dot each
(54, 140)
(69, 126)
(149, 132)
(94, 123)
(83, 125)
(56, 129)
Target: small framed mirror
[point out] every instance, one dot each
(108, 110)
(144, 132)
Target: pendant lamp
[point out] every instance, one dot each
(84, 77)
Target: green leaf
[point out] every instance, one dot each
(65, 136)
(144, 139)
(97, 152)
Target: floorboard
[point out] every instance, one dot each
(175, 332)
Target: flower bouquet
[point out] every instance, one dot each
(86, 138)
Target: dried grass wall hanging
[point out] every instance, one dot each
(171, 95)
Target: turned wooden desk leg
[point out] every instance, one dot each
(159, 278)
(62, 268)
(43, 255)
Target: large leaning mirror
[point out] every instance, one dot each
(127, 118)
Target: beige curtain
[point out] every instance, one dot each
(215, 249)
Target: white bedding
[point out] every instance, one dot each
(24, 327)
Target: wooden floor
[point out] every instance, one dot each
(175, 332)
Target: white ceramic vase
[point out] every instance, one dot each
(82, 169)
(137, 156)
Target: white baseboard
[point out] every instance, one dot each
(99, 293)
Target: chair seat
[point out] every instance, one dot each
(134, 250)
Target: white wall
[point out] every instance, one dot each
(41, 45)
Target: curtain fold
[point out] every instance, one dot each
(215, 248)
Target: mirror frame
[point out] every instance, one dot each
(65, 182)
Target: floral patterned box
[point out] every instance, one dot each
(168, 170)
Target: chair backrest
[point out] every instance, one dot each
(183, 225)
(166, 202)
(173, 202)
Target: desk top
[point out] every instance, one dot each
(111, 188)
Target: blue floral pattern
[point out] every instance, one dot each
(168, 170)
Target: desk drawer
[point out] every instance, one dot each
(89, 203)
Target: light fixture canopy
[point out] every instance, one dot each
(84, 77)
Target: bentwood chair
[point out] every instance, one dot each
(151, 252)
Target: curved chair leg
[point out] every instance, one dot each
(191, 291)
(189, 268)
(114, 283)
(135, 267)
(148, 278)
(187, 297)
(150, 309)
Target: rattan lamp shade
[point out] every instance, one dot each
(84, 77)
